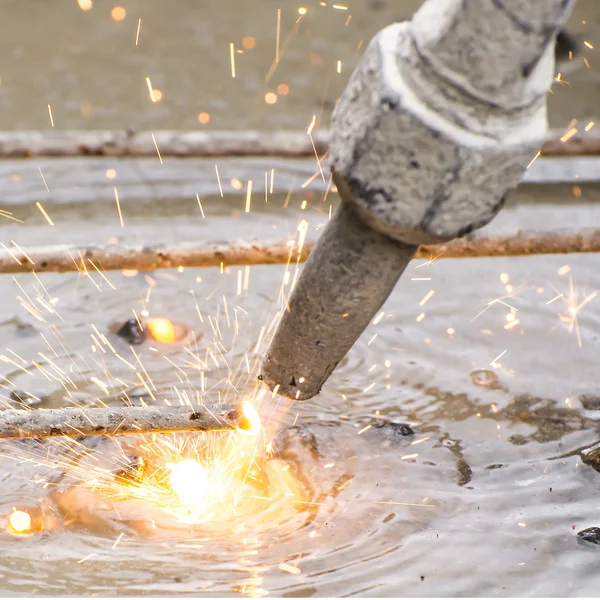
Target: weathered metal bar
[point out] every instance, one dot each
(24, 144)
(73, 422)
(64, 259)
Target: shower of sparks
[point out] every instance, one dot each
(137, 33)
(574, 304)
(119, 207)
(46, 216)
(232, 464)
(50, 115)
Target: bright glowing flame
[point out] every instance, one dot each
(162, 330)
(188, 480)
(250, 422)
(20, 521)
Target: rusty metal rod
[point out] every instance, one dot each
(73, 422)
(63, 258)
(24, 144)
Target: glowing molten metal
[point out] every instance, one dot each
(189, 481)
(20, 521)
(162, 330)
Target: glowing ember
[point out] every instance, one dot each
(188, 480)
(20, 521)
(118, 13)
(162, 330)
(250, 424)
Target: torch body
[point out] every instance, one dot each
(436, 126)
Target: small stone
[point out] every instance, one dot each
(590, 402)
(591, 534)
(401, 429)
(130, 331)
(484, 378)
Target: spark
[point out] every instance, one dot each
(219, 180)
(87, 558)
(378, 318)
(43, 179)
(409, 456)
(534, 158)
(232, 59)
(118, 540)
(50, 115)
(248, 196)
(157, 150)
(589, 126)
(11, 254)
(364, 429)
(340, 7)
(290, 569)
(419, 441)
(119, 207)
(47, 217)
(568, 135)
(589, 45)
(150, 89)
(200, 205)
(574, 308)
(8, 215)
(137, 33)
(494, 363)
(427, 297)
(278, 36)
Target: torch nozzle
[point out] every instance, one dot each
(347, 278)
